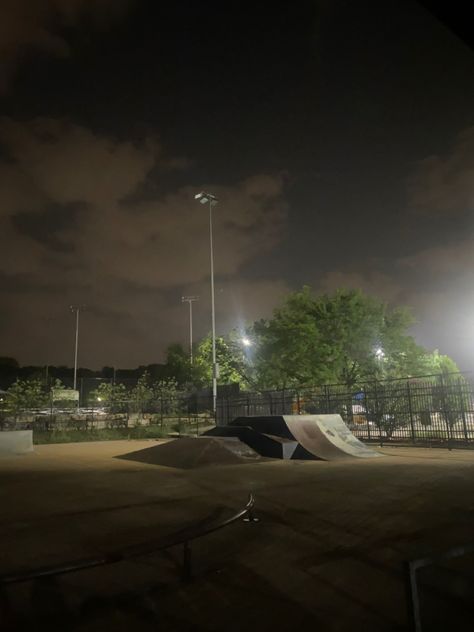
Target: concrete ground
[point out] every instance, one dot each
(328, 551)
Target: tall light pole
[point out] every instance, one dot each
(208, 198)
(76, 308)
(190, 300)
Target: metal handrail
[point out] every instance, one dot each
(136, 550)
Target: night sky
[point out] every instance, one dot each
(338, 136)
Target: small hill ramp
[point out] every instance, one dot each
(323, 437)
(190, 453)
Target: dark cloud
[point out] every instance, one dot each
(444, 184)
(48, 226)
(65, 226)
(38, 25)
(67, 236)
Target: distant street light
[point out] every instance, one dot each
(379, 352)
(190, 300)
(208, 198)
(246, 342)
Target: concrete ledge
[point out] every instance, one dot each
(16, 442)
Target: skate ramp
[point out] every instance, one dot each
(197, 452)
(323, 437)
(268, 445)
(327, 436)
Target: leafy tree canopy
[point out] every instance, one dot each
(26, 394)
(229, 357)
(178, 365)
(345, 337)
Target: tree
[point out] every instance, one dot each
(166, 388)
(178, 366)
(109, 395)
(437, 364)
(166, 396)
(347, 337)
(142, 394)
(25, 395)
(229, 357)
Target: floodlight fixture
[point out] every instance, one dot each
(206, 198)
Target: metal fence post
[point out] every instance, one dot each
(410, 410)
(328, 399)
(463, 412)
(379, 425)
(445, 409)
(367, 416)
(51, 409)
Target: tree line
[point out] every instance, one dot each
(345, 338)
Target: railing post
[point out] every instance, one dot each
(413, 599)
(298, 405)
(250, 517)
(410, 410)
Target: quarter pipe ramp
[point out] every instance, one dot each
(324, 437)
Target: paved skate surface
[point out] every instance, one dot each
(327, 552)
